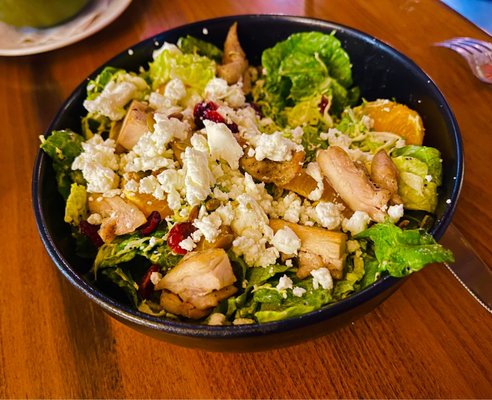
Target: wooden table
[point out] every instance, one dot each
(431, 339)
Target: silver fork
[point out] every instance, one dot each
(476, 52)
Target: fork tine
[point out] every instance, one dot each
(473, 44)
(477, 53)
(480, 44)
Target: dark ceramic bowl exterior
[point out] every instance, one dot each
(379, 70)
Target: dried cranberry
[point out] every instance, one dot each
(208, 111)
(90, 231)
(146, 286)
(151, 225)
(177, 234)
(233, 127)
(323, 104)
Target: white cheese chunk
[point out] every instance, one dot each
(286, 241)
(198, 177)
(98, 163)
(115, 95)
(395, 212)
(222, 143)
(274, 147)
(322, 277)
(357, 222)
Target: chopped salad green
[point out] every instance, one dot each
(216, 191)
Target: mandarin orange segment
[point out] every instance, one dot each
(390, 116)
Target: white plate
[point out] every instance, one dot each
(24, 41)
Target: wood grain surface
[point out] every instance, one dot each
(428, 340)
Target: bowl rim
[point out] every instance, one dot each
(191, 329)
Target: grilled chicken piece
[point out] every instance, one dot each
(147, 203)
(303, 184)
(277, 172)
(172, 303)
(119, 216)
(385, 175)
(352, 183)
(200, 308)
(135, 125)
(234, 63)
(223, 241)
(328, 245)
(198, 283)
(308, 262)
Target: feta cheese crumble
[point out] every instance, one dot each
(286, 241)
(198, 177)
(356, 223)
(284, 283)
(395, 212)
(222, 143)
(322, 277)
(274, 147)
(98, 163)
(116, 95)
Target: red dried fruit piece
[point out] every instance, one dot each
(146, 287)
(233, 127)
(90, 231)
(323, 104)
(203, 111)
(208, 111)
(177, 234)
(151, 225)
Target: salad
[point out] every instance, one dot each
(207, 189)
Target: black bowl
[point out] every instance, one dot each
(379, 70)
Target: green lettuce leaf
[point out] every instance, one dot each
(401, 252)
(96, 125)
(192, 45)
(289, 312)
(76, 205)
(350, 282)
(193, 70)
(416, 186)
(125, 248)
(258, 275)
(123, 281)
(62, 147)
(304, 65)
(96, 85)
(428, 155)
(288, 306)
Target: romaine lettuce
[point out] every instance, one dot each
(420, 173)
(401, 252)
(304, 65)
(96, 86)
(123, 281)
(193, 70)
(290, 305)
(192, 45)
(125, 248)
(63, 147)
(76, 206)
(429, 155)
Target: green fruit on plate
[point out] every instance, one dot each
(39, 13)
